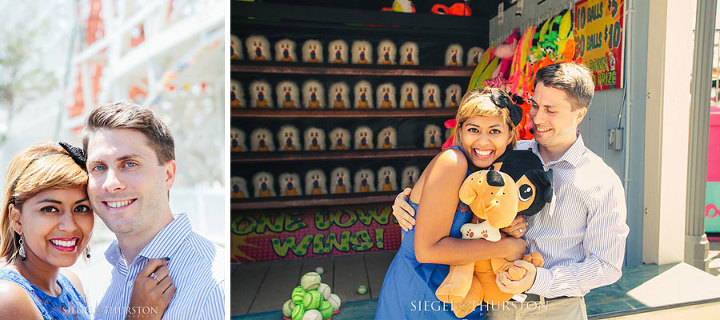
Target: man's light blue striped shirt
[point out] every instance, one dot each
(196, 268)
(581, 234)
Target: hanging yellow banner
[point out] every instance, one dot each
(599, 33)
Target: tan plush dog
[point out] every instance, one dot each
(409, 54)
(364, 181)
(473, 56)
(258, 48)
(312, 51)
(363, 95)
(237, 95)
(237, 140)
(235, 48)
(432, 137)
(453, 94)
(239, 188)
(339, 139)
(431, 96)
(313, 95)
(285, 50)
(493, 197)
(409, 95)
(363, 138)
(287, 95)
(260, 95)
(361, 52)
(263, 183)
(338, 96)
(386, 179)
(409, 176)
(290, 184)
(386, 52)
(454, 55)
(340, 181)
(261, 139)
(387, 138)
(288, 138)
(315, 182)
(314, 139)
(337, 51)
(385, 96)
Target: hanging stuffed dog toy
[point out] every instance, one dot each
(521, 186)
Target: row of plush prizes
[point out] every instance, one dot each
(288, 138)
(311, 300)
(258, 49)
(316, 182)
(338, 95)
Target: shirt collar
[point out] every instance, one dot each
(114, 257)
(571, 156)
(164, 244)
(574, 154)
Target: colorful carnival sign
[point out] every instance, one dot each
(313, 232)
(599, 36)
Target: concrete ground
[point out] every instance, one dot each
(714, 256)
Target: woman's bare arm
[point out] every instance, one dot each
(438, 202)
(15, 302)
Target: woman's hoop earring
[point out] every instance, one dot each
(21, 252)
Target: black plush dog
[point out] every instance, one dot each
(534, 183)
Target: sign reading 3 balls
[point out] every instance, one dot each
(599, 36)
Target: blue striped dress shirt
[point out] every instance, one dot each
(196, 267)
(581, 233)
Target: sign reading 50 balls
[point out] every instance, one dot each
(599, 34)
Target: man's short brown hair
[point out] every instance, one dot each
(573, 79)
(127, 115)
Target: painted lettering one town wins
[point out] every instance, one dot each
(296, 235)
(357, 241)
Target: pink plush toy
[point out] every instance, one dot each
(505, 52)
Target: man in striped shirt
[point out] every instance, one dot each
(582, 232)
(131, 168)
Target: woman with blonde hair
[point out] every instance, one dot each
(45, 224)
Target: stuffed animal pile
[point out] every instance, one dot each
(512, 65)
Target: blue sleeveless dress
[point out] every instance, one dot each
(68, 305)
(408, 291)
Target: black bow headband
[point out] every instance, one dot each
(503, 101)
(75, 153)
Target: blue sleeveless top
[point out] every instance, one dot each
(68, 305)
(408, 291)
